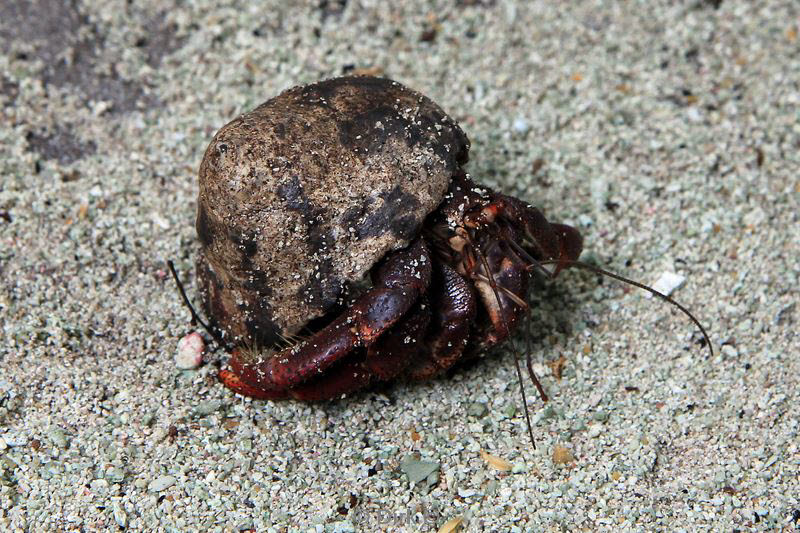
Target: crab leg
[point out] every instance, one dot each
(398, 284)
(385, 359)
(455, 314)
(537, 229)
(570, 244)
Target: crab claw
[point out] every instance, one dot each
(233, 382)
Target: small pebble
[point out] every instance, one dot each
(498, 463)
(729, 351)
(694, 115)
(562, 456)
(667, 283)
(452, 525)
(521, 125)
(190, 351)
(99, 485)
(15, 440)
(416, 470)
(345, 526)
(161, 483)
(115, 475)
(206, 408)
(120, 517)
(519, 468)
(477, 409)
(549, 412)
(57, 437)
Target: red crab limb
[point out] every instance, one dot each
(398, 284)
(339, 380)
(550, 240)
(396, 348)
(509, 279)
(385, 359)
(232, 381)
(545, 240)
(499, 272)
(535, 226)
(455, 310)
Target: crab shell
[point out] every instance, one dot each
(302, 196)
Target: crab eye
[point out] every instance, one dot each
(222, 148)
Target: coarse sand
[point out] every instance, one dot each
(668, 132)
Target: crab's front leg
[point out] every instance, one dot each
(392, 353)
(545, 240)
(398, 284)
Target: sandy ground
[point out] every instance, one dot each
(667, 132)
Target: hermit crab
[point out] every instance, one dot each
(343, 243)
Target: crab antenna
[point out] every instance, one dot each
(195, 317)
(598, 270)
(493, 284)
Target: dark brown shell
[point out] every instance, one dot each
(300, 197)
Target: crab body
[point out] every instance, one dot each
(343, 244)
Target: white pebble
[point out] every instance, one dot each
(729, 351)
(161, 483)
(694, 115)
(668, 282)
(190, 351)
(120, 517)
(521, 125)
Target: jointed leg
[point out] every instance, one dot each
(385, 359)
(502, 285)
(455, 307)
